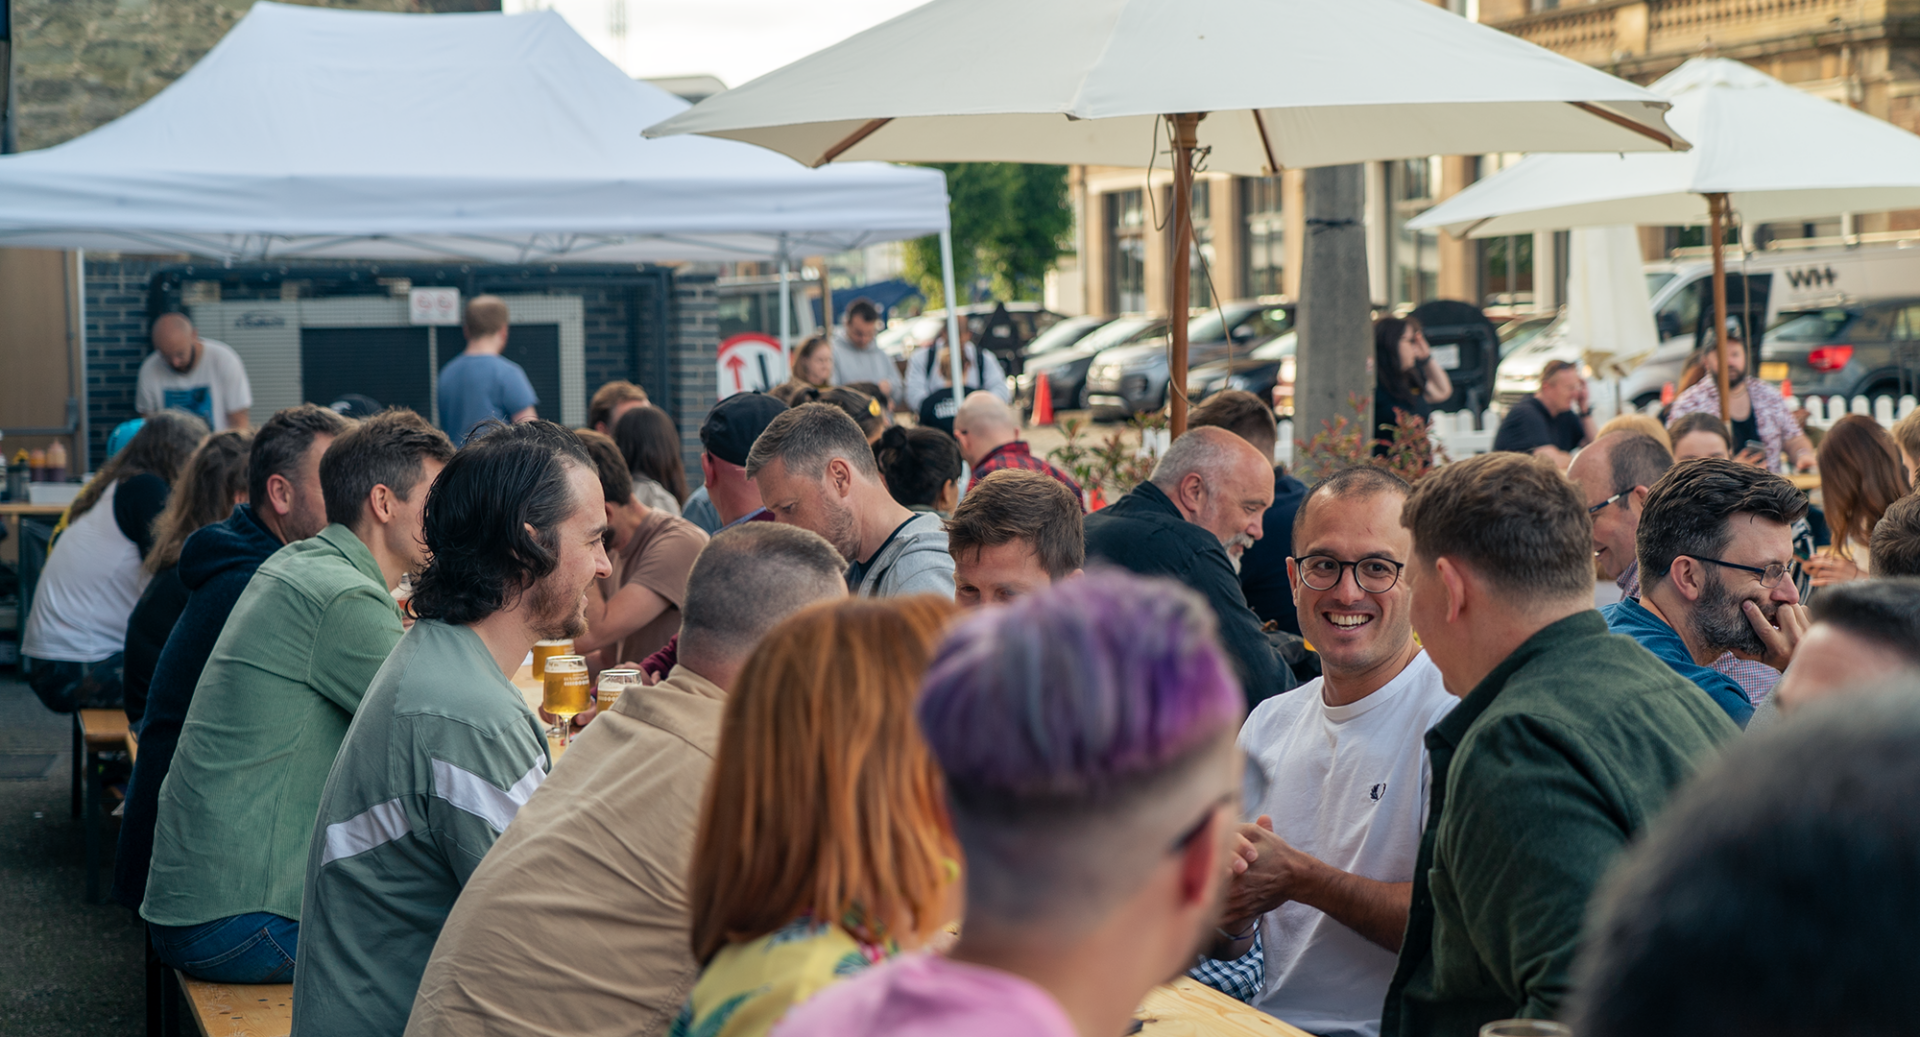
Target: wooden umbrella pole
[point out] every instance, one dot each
(1185, 130)
(1717, 229)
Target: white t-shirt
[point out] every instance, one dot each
(87, 591)
(1348, 785)
(216, 387)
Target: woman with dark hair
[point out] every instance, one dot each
(921, 467)
(76, 631)
(1405, 377)
(212, 483)
(651, 444)
(1860, 478)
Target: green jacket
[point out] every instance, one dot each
(291, 665)
(441, 756)
(1540, 777)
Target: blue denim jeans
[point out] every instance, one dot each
(255, 948)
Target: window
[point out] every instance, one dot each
(1415, 264)
(1202, 248)
(1264, 237)
(1681, 313)
(1126, 252)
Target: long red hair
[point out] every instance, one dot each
(824, 800)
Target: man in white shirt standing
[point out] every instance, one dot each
(857, 357)
(1337, 771)
(193, 374)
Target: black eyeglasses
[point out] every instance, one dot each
(1769, 577)
(1595, 510)
(1373, 575)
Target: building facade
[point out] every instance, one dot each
(1864, 53)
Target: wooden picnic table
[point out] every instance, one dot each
(1189, 1008)
(1182, 1008)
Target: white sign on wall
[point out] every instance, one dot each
(433, 306)
(750, 362)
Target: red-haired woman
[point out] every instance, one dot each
(824, 845)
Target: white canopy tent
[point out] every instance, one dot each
(492, 138)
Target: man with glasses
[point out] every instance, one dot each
(1616, 473)
(1339, 773)
(1715, 549)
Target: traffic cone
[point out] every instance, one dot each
(1786, 388)
(1096, 500)
(1042, 401)
(1666, 394)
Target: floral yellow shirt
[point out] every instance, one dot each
(748, 987)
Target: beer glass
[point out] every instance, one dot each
(544, 650)
(1526, 1028)
(612, 684)
(564, 692)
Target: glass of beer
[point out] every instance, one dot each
(1526, 1028)
(612, 684)
(544, 650)
(565, 691)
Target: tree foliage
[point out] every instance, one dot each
(1011, 221)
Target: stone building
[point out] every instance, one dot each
(1865, 53)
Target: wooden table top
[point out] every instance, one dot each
(25, 508)
(1188, 1008)
(1805, 480)
(263, 1010)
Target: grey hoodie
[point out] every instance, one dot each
(915, 561)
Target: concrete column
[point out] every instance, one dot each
(1336, 347)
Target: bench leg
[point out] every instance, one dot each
(156, 989)
(96, 793)
(79, 762)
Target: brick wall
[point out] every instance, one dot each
(692, 356)
(116, 321)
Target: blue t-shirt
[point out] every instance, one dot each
(480, 387)
(1631, 618)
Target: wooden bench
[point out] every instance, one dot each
(94, 731)
(235, 1009)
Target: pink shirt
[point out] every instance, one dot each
(928, 995)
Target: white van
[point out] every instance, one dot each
(1760, 286)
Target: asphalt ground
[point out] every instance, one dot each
(67, 968)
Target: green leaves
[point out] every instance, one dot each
(1011, 221)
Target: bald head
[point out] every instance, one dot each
(1218, 481)
(174, 339)
(983, 425)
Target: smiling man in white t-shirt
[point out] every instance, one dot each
(1337, 771)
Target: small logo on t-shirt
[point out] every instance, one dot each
(1377, 791)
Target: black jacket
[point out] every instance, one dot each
(1263, 568)
(1144, 533)
(147, 630)
(216, 563)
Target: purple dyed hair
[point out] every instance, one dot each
(1082, 687)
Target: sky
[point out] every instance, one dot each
(735, 40)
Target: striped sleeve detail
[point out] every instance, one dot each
(476, 795)
(375, 826)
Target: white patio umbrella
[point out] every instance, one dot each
(1250, 86)
(1737, 117)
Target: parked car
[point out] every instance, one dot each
(1870, 350)
(1264, 367)
(1128, 380)
(1066, 366)
(902, 338)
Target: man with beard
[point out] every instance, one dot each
(1716, 554)
(443, 750)
(1206, 499)
(1086, 735)
(814, 469)
(1757, 414)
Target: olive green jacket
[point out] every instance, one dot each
(1540, 777)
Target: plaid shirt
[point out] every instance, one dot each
(1770, 413)
(1240, 978)
(1018, 455)
(1755, 678)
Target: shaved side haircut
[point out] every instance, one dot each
(807, 437)
(749, 578)
(1359, 481)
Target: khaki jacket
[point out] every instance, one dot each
(576, 921)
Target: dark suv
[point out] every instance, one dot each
(1858, 349)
